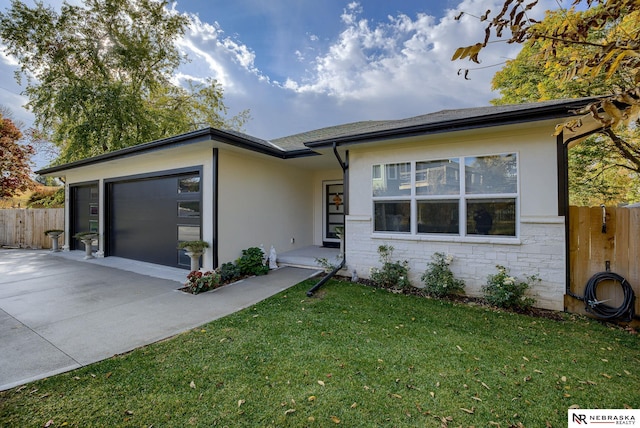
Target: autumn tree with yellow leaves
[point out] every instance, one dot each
(590, 49)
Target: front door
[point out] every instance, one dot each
(333, 215)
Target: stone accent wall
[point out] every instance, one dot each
(540, 250)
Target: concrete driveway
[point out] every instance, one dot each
(59, 312)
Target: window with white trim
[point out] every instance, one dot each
(465, 196)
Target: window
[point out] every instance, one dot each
(491, 174)
(390, 183)
(440, 177)
(438, 216)
(392, 216)
(377, 172)
(189, 184)
(189, 209)
(491, 217)
(430, 197)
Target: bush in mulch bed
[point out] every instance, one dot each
(460, 298)
(251, 263)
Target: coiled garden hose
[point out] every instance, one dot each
(625, 312)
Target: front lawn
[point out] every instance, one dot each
(351, 356)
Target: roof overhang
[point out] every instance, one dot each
(585, 126)
(441, 122)
(561, 110)
(203, 135)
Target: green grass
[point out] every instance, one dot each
(354, 356)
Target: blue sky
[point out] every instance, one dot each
(299, 65)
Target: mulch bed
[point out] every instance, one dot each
(468, 300)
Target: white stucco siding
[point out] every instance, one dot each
(159, 162)
(539, 247)
(262, 201)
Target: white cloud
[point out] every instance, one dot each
(398, 68)
(369, 70)
(404, 55)
(215, 55)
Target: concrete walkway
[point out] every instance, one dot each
(59, 312)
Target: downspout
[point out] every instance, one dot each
(345, 180)
(563, 206)
(563, 198)
(215, 207)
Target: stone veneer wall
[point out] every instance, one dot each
(540, 251)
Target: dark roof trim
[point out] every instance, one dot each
(201, 135)
(440, 122)
(536, 113)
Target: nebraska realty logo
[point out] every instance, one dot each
(600, 417)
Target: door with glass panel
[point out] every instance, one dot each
(333, 215)
(150, 215)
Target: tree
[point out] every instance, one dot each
(591, 50)
(599, 171)
(99, 75)
(14, 159)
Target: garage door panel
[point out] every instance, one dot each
(145, 218)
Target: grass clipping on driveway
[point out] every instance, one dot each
(353, 356)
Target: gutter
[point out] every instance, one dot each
(199, 136)
(345, 180)
(548, 112)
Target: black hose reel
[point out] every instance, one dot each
(625, 312)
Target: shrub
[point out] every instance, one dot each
(229, 272)
(252, 262)
(198, 282)
(46, 198)
(507, 291)
(439, 280)
(394, 275)
(197, 246)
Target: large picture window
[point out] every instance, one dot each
(465, 196)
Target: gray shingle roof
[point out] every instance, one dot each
(442, 117)
(297, 141)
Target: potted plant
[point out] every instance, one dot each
(54, 234)
(194, 250)
(87, 239)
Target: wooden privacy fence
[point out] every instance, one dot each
(595, 244)
(25, 228)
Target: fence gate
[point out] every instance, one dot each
(600, 239)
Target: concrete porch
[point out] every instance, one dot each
(306, 257)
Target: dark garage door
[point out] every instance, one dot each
(84, 212)
(149, 216)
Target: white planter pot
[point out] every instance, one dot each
(54, 241)
(195, 258)
(87, 240)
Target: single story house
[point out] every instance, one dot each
(486, 185)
